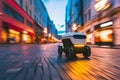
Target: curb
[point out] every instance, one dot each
(107, 47)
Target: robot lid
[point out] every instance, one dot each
(70, 34)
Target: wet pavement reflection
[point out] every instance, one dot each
(41, 62)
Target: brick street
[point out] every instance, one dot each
(41, 62)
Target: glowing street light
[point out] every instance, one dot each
(25, 37)
(25, 32)
(102, 5)
(45, 30)
(74, 26)
(49, 35)
(106, 24)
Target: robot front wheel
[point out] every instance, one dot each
(69, 53)
(86, 51)
(60, 50)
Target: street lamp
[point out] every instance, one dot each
(74, 26)
(102, 5)
(25, 32)
(49, 35)
(45, 34)
(45, 30)
(24, 36)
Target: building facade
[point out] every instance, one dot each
(42, 17)
(74, 18)
(53, 29)
(16, 26)
(40, 13)
(68, 15)
(27, 5)
(37, 10)
(100, 21)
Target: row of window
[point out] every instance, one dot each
(15, 14)
(21, 2)
(26, 7)
(39, 18)
(29, 23)
(28, 10)
(87, 16)
(12, 13)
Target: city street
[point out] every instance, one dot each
(41, 62)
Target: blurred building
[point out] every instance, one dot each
(52, 32)
(101, 21)
(41, 17)
(53, 29)
(16, 26)
(68, 16)
(37, 10)
(74, 12)
(27, 5)
(24, 21)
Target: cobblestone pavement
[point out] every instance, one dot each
(41, 62)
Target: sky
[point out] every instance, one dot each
(56, 11)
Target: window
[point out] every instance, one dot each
(87, 16)
(26, 8)
(31, 2)
(21, 3)
(30, 12)
(12, 13)
(29, 23)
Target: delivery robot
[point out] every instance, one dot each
(74, 43)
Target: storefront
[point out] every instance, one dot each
(26, 38)
(89, 37)
(13, 21)
(4, 36)
(10, 34)
(13, 34)
(103, 34)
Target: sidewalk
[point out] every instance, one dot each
(109, 47)
(8, 45)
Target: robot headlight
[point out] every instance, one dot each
(79, 45)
